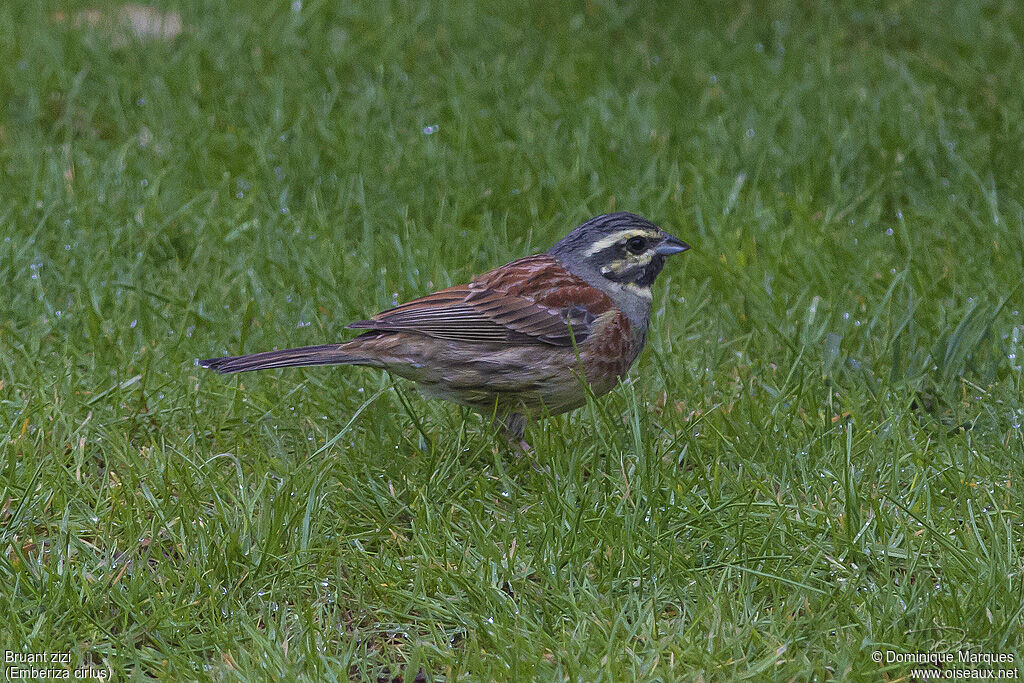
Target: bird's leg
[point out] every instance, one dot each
(513, 425)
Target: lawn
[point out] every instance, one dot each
(819, 456)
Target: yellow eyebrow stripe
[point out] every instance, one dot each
(622, 235)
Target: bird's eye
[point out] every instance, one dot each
(636, 245)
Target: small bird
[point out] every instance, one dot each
(520, 340)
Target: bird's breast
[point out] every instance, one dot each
(611, 348)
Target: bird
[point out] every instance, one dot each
(524, 340)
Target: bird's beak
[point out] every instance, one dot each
(670, 245)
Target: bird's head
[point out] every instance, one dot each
(620, 253)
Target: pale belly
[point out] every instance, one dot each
(526, 379)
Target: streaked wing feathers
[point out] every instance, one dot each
(530, 300)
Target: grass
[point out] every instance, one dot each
(818, 456)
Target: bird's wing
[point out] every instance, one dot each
(534, 299)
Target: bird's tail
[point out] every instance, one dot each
(325, 354)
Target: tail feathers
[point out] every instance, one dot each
(325, 354)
